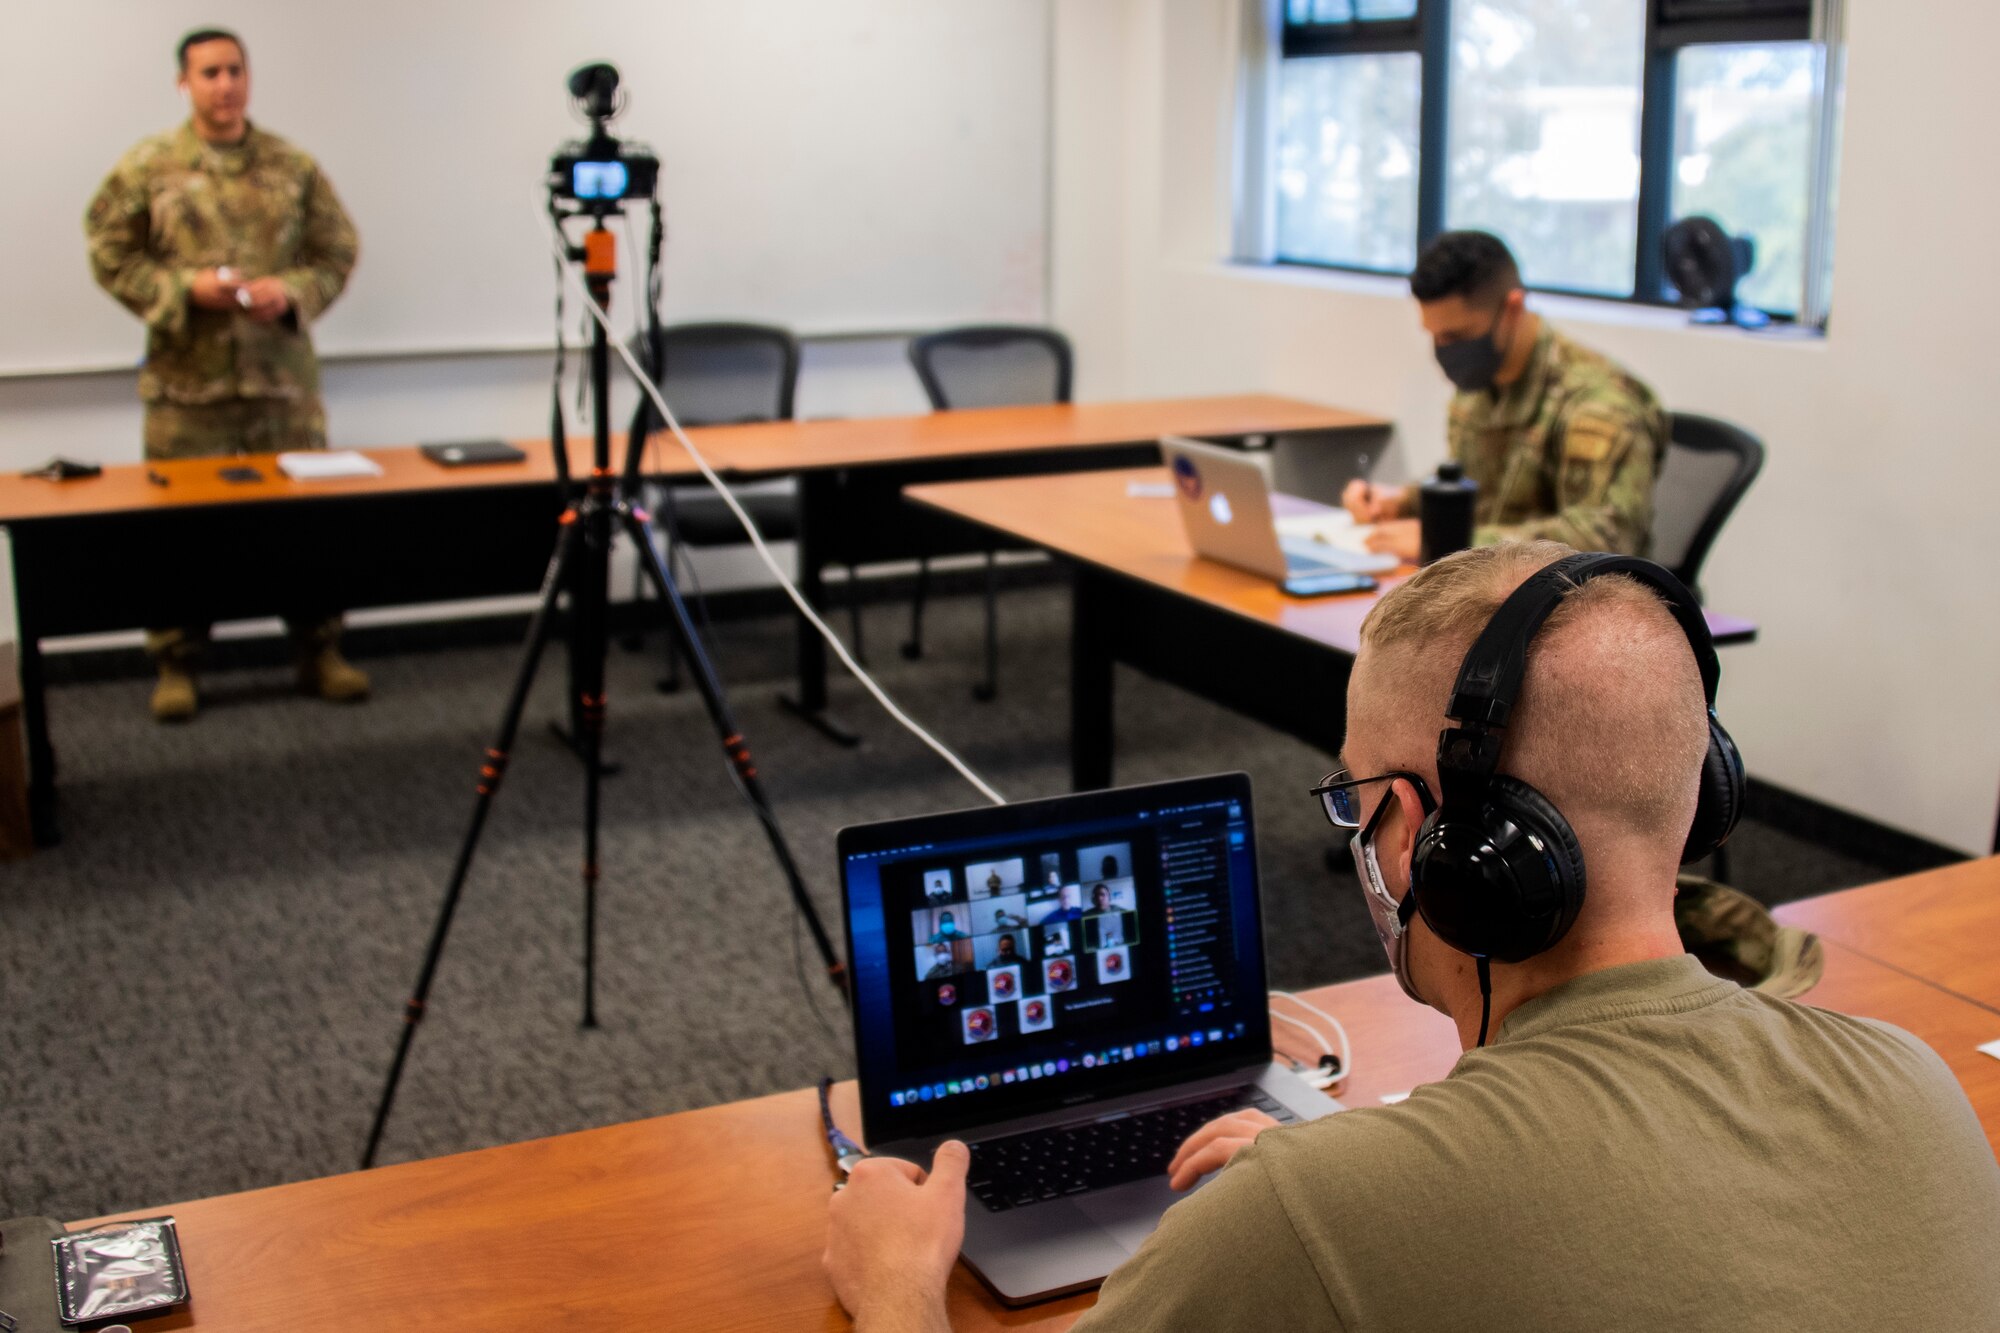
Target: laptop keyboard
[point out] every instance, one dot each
(1045, 1164)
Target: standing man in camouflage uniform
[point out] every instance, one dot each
(1563, 442)
(228, 242)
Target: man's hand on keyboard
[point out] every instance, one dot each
(1209, 1147)
(892, 1236)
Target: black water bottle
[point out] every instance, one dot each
(1444, 512)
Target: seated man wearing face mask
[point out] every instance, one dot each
(1563, 442)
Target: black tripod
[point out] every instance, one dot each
(581, 563)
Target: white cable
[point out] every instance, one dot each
(1307, 1028)
(1346, 1052)
(749, 525)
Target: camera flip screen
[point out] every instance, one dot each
(599, 180)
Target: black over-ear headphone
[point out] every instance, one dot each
(1497, 872)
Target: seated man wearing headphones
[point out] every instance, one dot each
(1627, 1142)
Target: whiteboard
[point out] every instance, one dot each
(831, 165)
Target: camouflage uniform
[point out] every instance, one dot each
(216, 381)
(1568, 451)
(1737, 938)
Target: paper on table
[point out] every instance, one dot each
(1335, 538)
(326, 464)
(1991, 1048)
(1334, 527)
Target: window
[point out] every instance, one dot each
(1347, 168)
(1545, 134)
(1347, 11)
(1743, 123)
(1350, 97)
(1577, 130)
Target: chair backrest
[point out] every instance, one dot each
(719, 374)
(992, 365)
(1708, 467)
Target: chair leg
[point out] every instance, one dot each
(988, 689)
(854, 614)
(914, 649)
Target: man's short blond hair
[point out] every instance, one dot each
(1611, 724)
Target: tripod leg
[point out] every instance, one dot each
(735, 747)
(491, 772)
(671, 682)
(590, 618)
(635, 636)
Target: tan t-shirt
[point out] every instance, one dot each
(1642, 1148)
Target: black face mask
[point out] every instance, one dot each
(1471, 363)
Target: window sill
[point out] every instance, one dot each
(1568, 309)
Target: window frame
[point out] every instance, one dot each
(1671, 26)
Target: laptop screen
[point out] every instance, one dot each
(1021, 958)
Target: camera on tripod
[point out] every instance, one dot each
(601, 173)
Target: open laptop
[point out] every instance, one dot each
(1071, 986)
(1225, 501)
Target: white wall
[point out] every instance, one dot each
(871, 164)
(1866, 551)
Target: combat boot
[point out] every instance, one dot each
(174, 696)
(330, 676)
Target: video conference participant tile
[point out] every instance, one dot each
(993, 879)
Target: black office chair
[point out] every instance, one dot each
(986, 365)
(1708, 467)
(713, 375)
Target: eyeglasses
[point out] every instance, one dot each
(1339, 796)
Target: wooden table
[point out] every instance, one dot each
(1942, 925)
(1144, 598)
(852, 476)
(120, 551)
(715, 1219)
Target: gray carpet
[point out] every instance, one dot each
(203, 984)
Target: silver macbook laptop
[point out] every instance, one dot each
(1225, 501)
(1071, 986)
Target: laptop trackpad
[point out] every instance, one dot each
(1130, 1213)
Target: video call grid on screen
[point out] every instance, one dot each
(1031, 943)
(1186, 944)
(1067, 936)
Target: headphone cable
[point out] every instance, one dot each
(1485, 994)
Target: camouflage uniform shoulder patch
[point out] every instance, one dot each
(1590, 432)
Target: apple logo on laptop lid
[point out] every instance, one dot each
(1218, 508)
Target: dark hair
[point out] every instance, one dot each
(200, 35)
(1473, 264)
